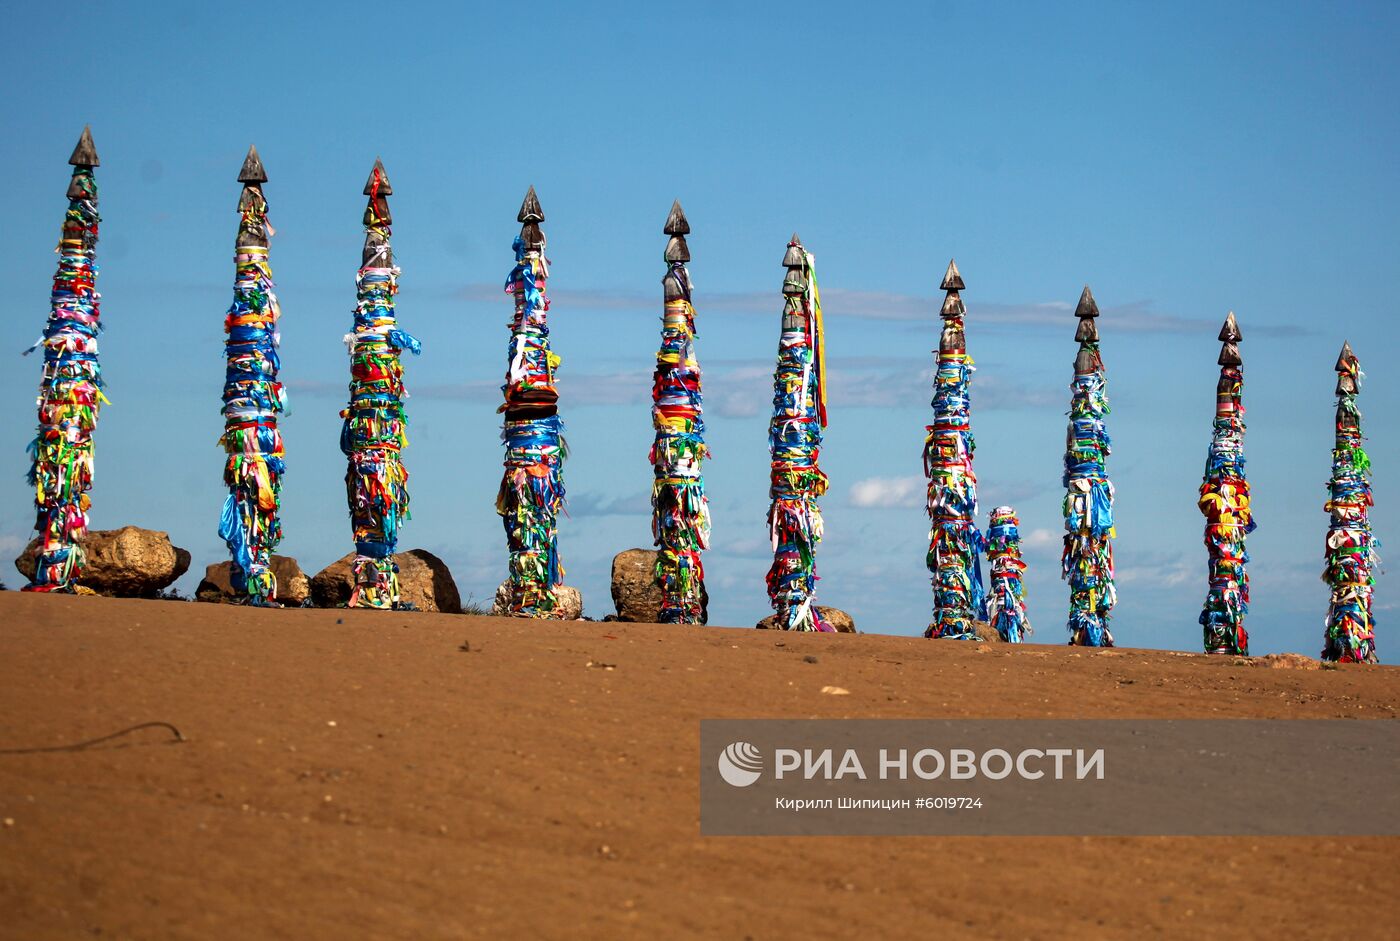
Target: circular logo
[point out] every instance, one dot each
(740, 764)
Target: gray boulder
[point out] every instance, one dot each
(424, 580)
(293, 587)
(635, 593)
(843, 622)
(568, 603)
(130, 562)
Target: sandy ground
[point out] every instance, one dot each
(367, 774)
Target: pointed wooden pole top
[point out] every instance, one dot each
(793, 258)
(378, 174)
(952, 279)
(85, 154)
(676, 222)
(530, 210)
(1230, 331)
(1088, 307)
(1347, 359)
(252, 171)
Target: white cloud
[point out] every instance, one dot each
(1172, 575)
(889, 492)
(1138, 316)
(740, 392)
(1042, 539)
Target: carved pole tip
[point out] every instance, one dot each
(1230, 331)
(385, 187)
(1346, 359)
(676, 222)
(530, 210)
(252, 171)
(1087, 307)
(952, 279)
(85, 154)
(793, 257)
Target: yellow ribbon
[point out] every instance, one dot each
(814, 299)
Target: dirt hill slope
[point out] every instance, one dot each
(367, 774)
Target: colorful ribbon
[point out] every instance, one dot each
(1351, 547)
(1006, 607)
(1087, 561)
(253, 398)
(1224, 502)
(375, 429)
(959, 598)
(794, 438)
(680, 522)
(532, 488)
(70, 396)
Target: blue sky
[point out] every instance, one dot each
(1183, 161)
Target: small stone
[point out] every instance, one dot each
(1289, 661)
(809, 659)
(836, 691)
(986, 633)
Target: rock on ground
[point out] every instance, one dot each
(293, 587)
(634, 592)
(424, 580)
(986, 633)
(843, 622)
(568, 603)
(124, 563)
(1288, 661)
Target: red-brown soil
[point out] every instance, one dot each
(365, 775)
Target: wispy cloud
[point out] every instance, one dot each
(735, 388)
(744, 388)
(1138, 316)
(884, 492)
(739, 391)
(1041, 539)
(1164, 575)
(595, 504)
(1009, 492)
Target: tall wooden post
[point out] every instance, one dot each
(794, 439)
(1351, 547)
(532, 488)
(375, 430)
(954, 542)
(70, 392)
(680, 521)
(1006, 602)
(253, 398)
(1087, 563)
(1225, 504)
